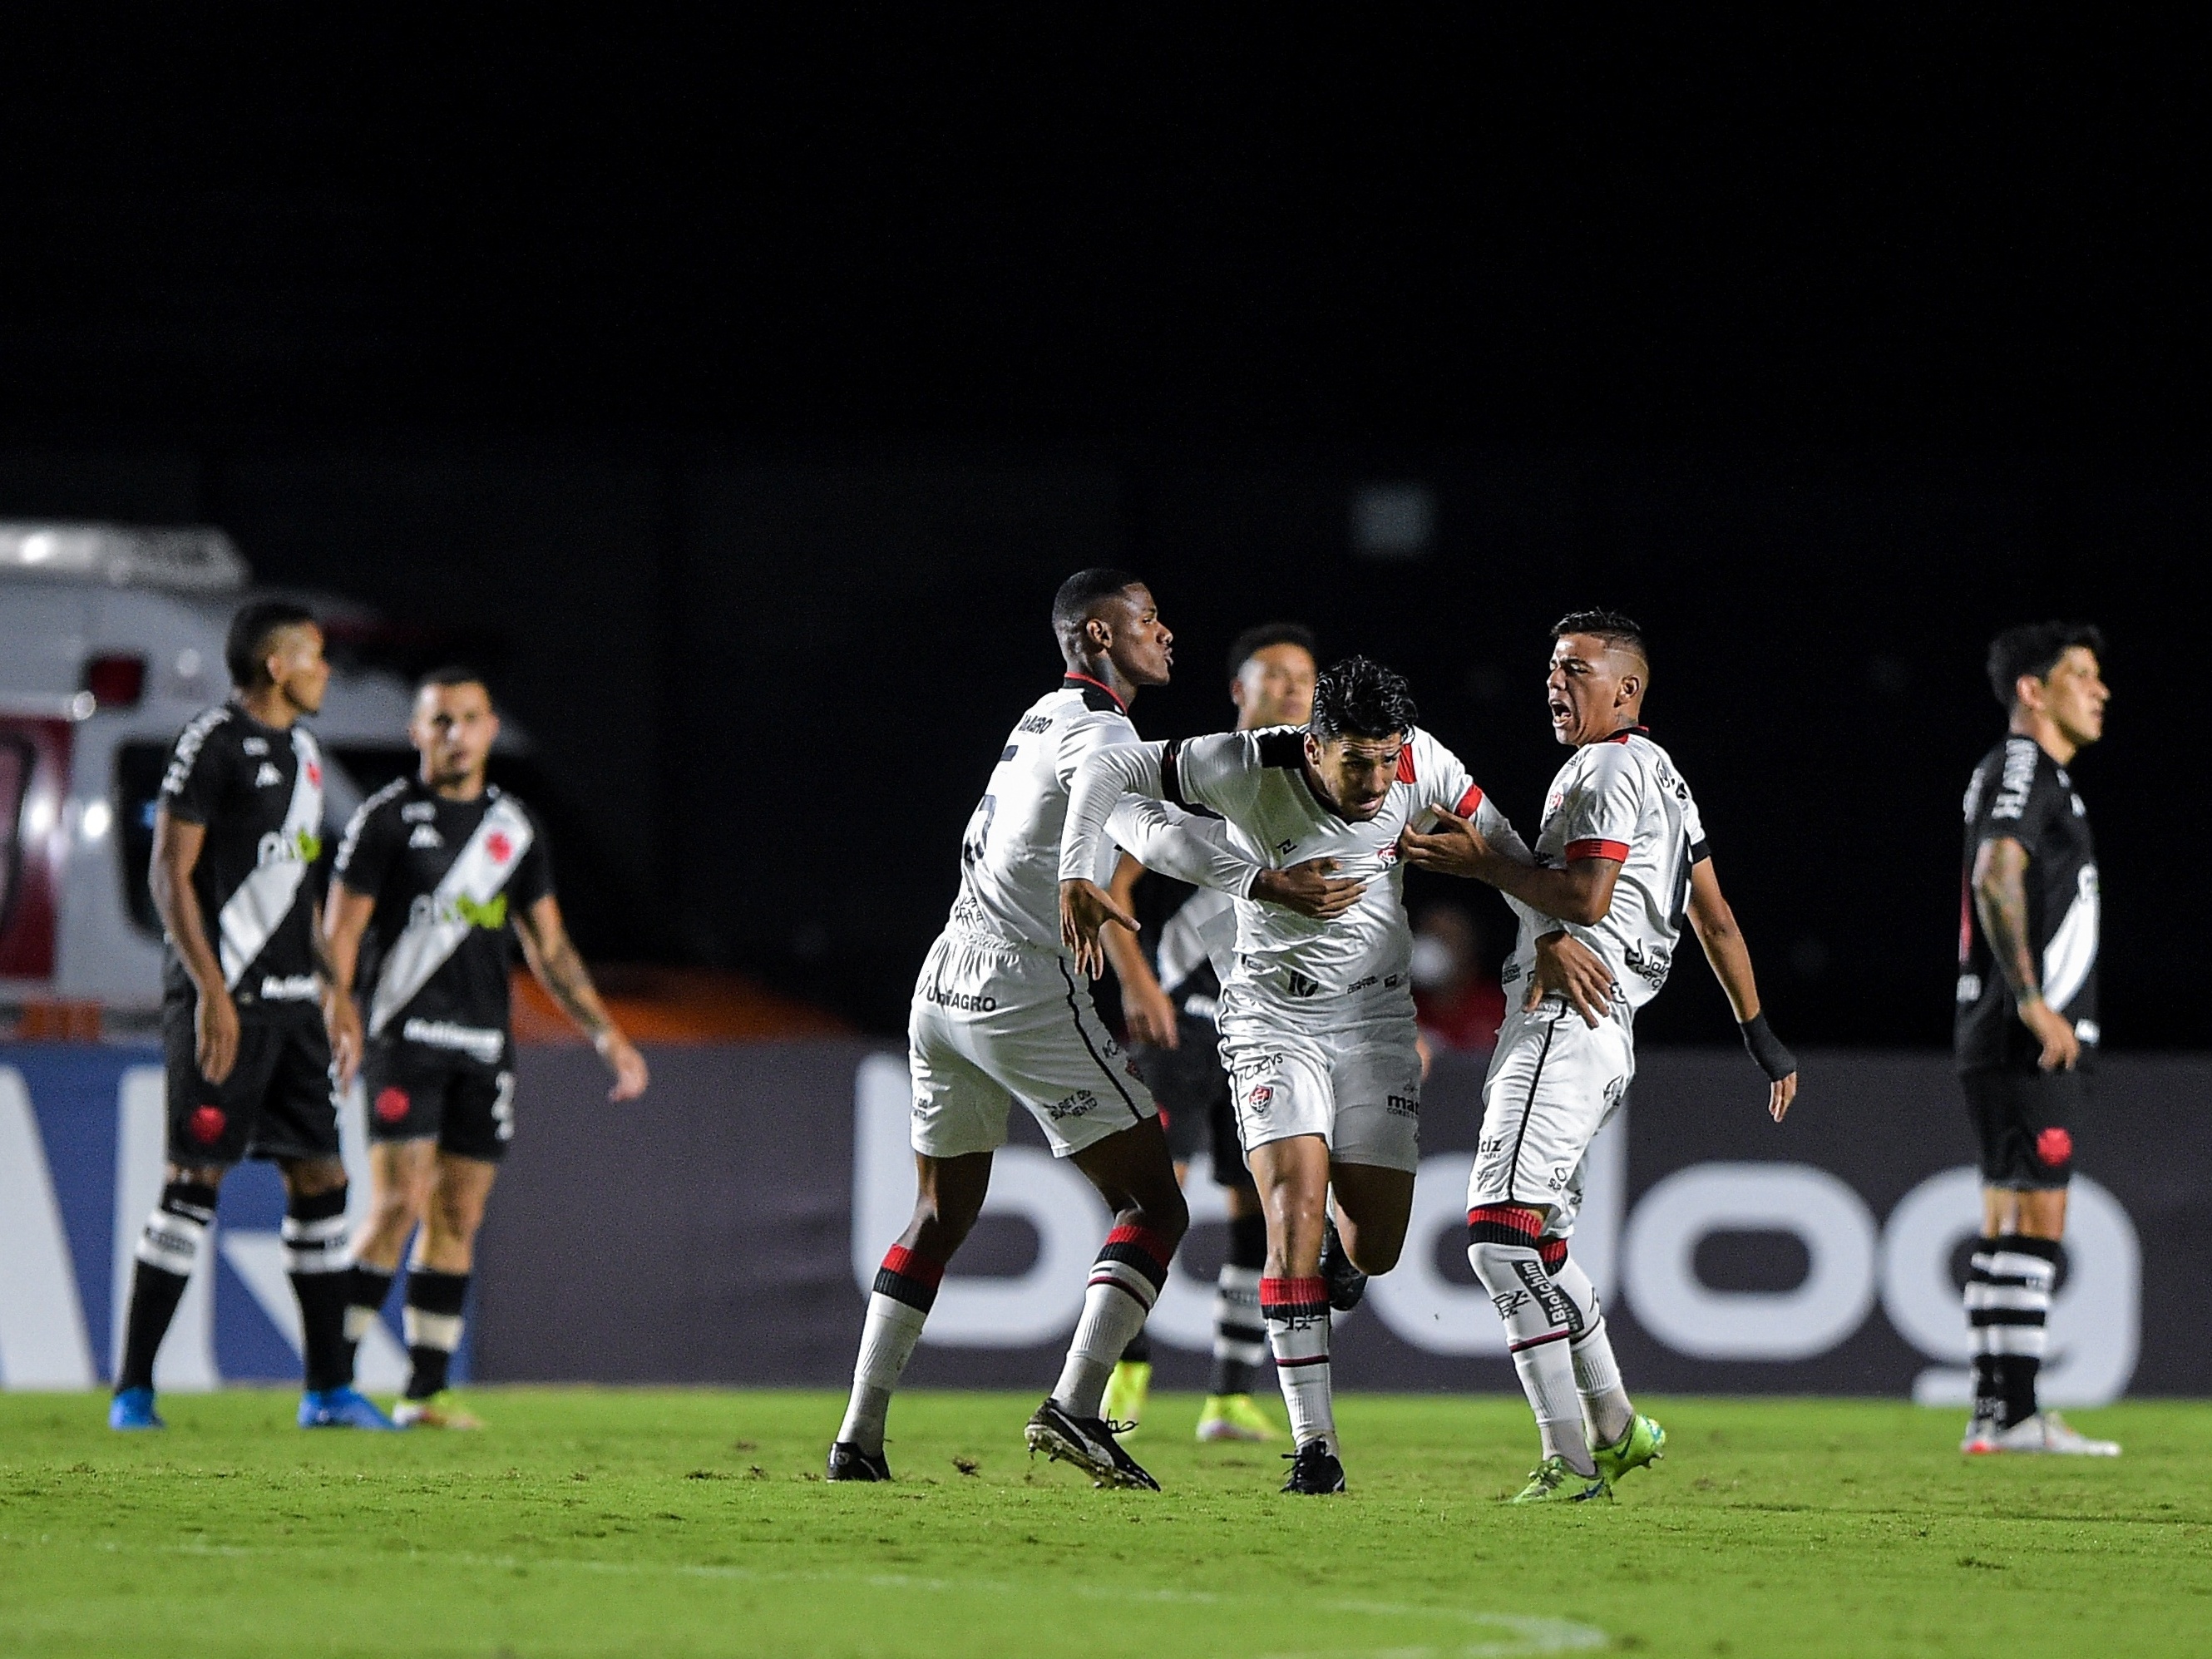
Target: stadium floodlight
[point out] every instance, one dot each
(196, 559)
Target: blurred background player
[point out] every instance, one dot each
(1000, 1014)
(1317, 1017)
(236, 834)
(2027, 1024)
(1457, 995)
(1170, 974)
(1620, 863)
(433, 872)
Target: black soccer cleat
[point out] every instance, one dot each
(1346, 1284)
(1088, 1444)
(1314, 1471)
(848, 1462)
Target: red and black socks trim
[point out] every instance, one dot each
(315, 1236)
(1134, 1259)
(1506, 1223)
(167, 1251)
(909, 1277)
(433, 1322)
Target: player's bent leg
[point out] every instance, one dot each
(1620, 1439)
(400, 1176)
(1540, 1319)
(438, 1288)
(168, 1249)
(1373, 1206)
(949, 1196)
(1133, 1171)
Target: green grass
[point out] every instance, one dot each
(673, 1524)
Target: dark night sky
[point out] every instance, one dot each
(1826, 351)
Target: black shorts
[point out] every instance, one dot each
(2025, 1121)
(1192, 1090)
(277, 1103)
(414, 1095)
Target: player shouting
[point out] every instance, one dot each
(1620, 865)
(1000, 1014)
(434, 871)
(1316, 1019)
(2027, 1023)
(238, 827)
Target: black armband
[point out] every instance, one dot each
(1766, 1051)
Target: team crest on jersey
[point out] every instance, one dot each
(501, 848)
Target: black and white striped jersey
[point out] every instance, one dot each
(257, 792)
(2019, 792)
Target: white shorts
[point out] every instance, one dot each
(1553, 1083)
(1348, 1072)
(995, 1024)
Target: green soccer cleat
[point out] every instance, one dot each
(1553, 1482)
(1235, 1417)
(1129, 1391)
(1641, 1444)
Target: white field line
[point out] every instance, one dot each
(1523, 1634)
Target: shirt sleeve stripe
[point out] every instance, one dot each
(1615, 850)
(1468, 802)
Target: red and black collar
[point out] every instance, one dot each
(1097, 693)
(1626, 732)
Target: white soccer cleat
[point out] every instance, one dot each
(2046, 1432)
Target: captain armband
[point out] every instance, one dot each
(1766, 1049)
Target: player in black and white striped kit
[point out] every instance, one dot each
(438, 872)
(2026, 1025)
(237, 829)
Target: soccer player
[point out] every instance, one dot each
(1317, 1029)
(433, 872)
(2027, 1024)
(999, 1015)
(1188, 942)
(237, 827)
(1621, 864)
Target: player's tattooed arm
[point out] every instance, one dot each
(553, 959)
(176, 846)
(2000, 884)
(1714, 921)
(338, 948)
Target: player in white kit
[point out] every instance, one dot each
(1620, 865)
(1001, 1014)
(1317, 1017)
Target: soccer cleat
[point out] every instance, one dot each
(435, 1412)
(1088, 1444)
(1981, 1434)
(1346, 1284)
(1642, 1444)
(1553, 1481)
(2046, 1432)
(848, 1462)
(1127, 1393)
(340, 1408)
(1315, 1470)
(1235, 1417)
(133, 1408)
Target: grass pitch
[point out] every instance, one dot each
(668, 1523)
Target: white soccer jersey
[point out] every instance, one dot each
(1620, 799)
(1010, 855)
(1256, 781)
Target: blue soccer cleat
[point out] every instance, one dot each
(133, 1408)
(341, 1408)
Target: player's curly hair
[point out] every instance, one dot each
(1359, 698)
(1611, 626)
(2034, 650)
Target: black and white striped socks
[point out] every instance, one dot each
(2008, 1299)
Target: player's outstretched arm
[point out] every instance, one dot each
(2001, 901)
(1580, 892)
(1730, 957)
(345, 919)
(177, 845)
(554, 960)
